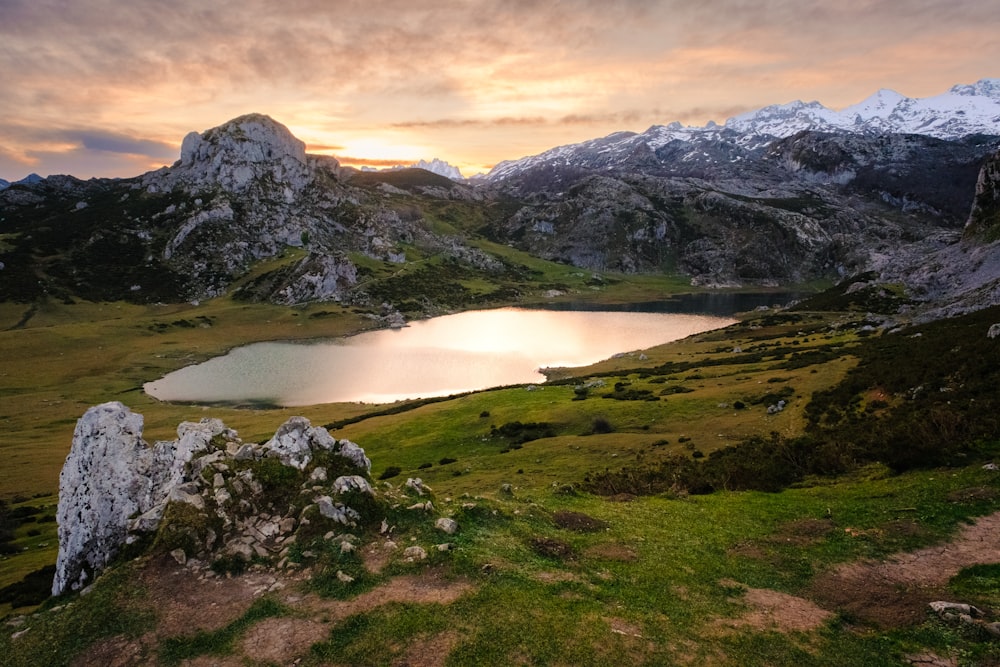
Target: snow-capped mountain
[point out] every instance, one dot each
(962, 111)
(441, 168)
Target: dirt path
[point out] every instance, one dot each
(188, 603)
(896, 591)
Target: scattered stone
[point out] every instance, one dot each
(426, 507)
(355, 454)
(449, 526)
(318, 474)
(507, 489)
(994, 331)
(344, 578)
(336, 511)
(447, 546)
(417, 485)
(942, 609)
(179, 556)
(349, 483)
(415, 553)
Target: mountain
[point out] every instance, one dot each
(441, 168)
(242, 192)
(963, 111)
(785, 194)
(782, 196)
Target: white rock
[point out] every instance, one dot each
(349, 483)
(355, 454)
(449, 526)
(108, 478)
(415, 553)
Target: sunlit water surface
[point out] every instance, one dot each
(436, 357)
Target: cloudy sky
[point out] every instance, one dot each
(110, 87)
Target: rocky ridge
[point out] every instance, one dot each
(209, 499)
(789, 194)
(964, 110)
(242, 192)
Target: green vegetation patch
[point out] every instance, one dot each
(175, 650)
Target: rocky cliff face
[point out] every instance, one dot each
(984, 220)
(206, 497)
(809, 206)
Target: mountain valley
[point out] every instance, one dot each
(796, 488)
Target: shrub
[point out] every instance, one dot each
(601, 425)
(390, 472)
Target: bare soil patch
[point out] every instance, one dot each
(113, 652)
(555, 577)
(187, 602)
(973, 494)
(280, 640)
(612, 551)
(803, 532)
(428, 588)
(773, 610)
(552, 548)
(428, 652)
(578, 521)
(895, 592)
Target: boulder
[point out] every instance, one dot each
(114, 487)
(108, 478)
(449, 526)
(355, 454)
(350, 483)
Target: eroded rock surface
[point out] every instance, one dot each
(203, 497)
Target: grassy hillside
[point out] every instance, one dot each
(588, 535)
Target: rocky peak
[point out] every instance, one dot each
(981, 88)
(241, 152)
(441, 168)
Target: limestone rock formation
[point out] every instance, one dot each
(244, 150)
(113, 480)
(206, 497)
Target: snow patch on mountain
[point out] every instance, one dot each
(962, 111)
(441, 168)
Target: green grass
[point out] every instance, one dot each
(661, 584)
(671, 570)
(175, 650)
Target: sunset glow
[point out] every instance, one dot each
(109, 88)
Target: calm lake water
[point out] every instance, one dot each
(436, 357)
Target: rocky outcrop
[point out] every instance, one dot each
(984, 220)
(241, 193)
(243, 151)
(206, 497)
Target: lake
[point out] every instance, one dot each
(436, 357)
